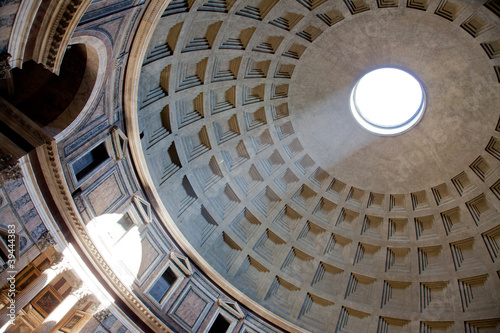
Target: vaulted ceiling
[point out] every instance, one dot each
(245, 126)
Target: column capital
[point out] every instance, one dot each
(95, 308)
(5, 65)
(102, 314)
(9, 167)
(45, 241)
(59, 263)
(80, 290)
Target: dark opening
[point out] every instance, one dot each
(3, 255)
(124, 225)
(91, 160)
(220, 325)
(42, 95)
(163, 284)
(16, 138)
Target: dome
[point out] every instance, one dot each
(213, 165)
(253, 151)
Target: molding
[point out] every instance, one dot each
(56, 30)
(181, 262)
(21, 30)
(117, 142)
(53, 35)
(231, 307)
(143, 209)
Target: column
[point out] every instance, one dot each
(58, 266)
(62, 309)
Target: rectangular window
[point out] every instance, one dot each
(220, 325)
(163, 284)
(120, 228)
(90, 161)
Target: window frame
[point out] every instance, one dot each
(181, 267)
(77, 183)
(173, 287)
(233, 321)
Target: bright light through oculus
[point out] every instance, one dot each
(388, 101)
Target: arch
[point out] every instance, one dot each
(58, 104)
(90, 86)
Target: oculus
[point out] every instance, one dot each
(388, 101)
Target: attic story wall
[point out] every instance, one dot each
(112, 188)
